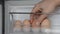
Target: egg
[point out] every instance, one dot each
(17, 22)
(26, 25)
(35, 27)
(35, 24)
(17, 26)
(45, 26)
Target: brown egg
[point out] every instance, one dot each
(45, 24)
(35, 25)
(26, 22)
(17, 26)
(17, 22)
(26, 27)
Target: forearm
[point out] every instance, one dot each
(57, 2)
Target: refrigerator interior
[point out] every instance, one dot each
(27, 6)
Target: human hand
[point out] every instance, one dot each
(46, 7)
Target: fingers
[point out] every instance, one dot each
(41, 18)
(36, 9)
(31, 18)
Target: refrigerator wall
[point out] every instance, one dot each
(0, 19)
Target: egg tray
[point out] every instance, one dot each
(32, 33)
(11, 27)
(26, 22)
(23, 31)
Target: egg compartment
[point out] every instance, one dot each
(16, 15)
(23, 19)
(19, 16)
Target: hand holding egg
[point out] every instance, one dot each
(36, 24)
